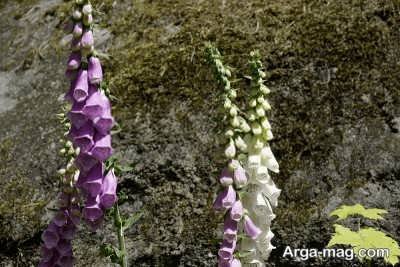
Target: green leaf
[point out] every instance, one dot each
(366, 238)
(132, 219)
(345, 211)
(109, 251)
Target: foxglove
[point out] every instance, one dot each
(86, 180)
(248, 192)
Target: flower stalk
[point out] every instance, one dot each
(248, 193)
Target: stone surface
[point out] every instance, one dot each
(333, 71)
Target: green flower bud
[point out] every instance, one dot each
(77, 15)
(251, 116)
(260, 111)
(244, 126)
(230, 150)
(87, 9)
(235, 122)
(228, 72)
(253, 103)
(233, 111)
(266, 105)
(61, 171)
(232, 94)
(265, 124)
(229, 133)
(240, 144)
(264, 89)
(256, 128)
(268, 135)
(228, 103)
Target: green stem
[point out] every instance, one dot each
(121, 237)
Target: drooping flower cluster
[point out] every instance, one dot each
(91, 119)
(247, 189)
(56, 249)
(261, 193)
(88, 147)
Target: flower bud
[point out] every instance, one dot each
(227, 103)
(78, 30)
(230, 151)
(240, 144)
(268, 135)
(88, 20)
(87, 9)
(265, 124)
(260, 111)
(256, 128)
(266, 105)
(232, 93)
(253, 103)
(244, 126)
(235, 122)
(229, 133)
(251, 116)
(87, 40)
(264, 89)
(77, 15)
(233, 111)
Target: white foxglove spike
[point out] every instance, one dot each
(271, 192)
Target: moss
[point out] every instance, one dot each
(20, 203)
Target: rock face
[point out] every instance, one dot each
(332, 67)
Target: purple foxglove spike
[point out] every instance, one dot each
(104, 123)
(230, 229)
(94, 225)
(223, 263)
(236, 212)
(94, 180)
(240, 176)
(250, 228)
(75, 215)
(85, 162)
(92, 211)
(47, 254)
(230, 198)
(66, 261)
(95, 71)
(76, 115)
(74, 61)
(78, 30)
(226, 250)
(50, 238)
(226, 177)
(76, 44)
(87, 40)
(81, 89)
(236, 263)
(64, 248)
(102, 149)
(68, 231)
(225, 199)
(61, 218)
(93, 88)
(46, 264)
(109, 190)
(83, 137)
(96, 104)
